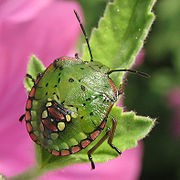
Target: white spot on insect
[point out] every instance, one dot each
(49, 99)
(118, 10)
(55, 97)
(68, 117)
(45, 114)
(48, 104)
(61, 126)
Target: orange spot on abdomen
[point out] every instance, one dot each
(33, 136)
(95, 134)
(85, 143)
(56, 153)
(28, 126)
(29, 104)
(75, 149)
(103, 124)
(27, 116)
(65, 152)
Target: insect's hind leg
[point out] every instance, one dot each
(96, 146)
(114, 123)
(109, 134)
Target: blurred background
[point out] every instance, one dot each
(159, 96)
(39, 27)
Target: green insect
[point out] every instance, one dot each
(68, 106)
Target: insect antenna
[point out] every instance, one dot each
(85, 35)
(131, 71)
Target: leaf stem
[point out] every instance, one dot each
(29, 174)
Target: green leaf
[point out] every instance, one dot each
(35, 67)
(115, 43)
(130, 129)
(120, 34)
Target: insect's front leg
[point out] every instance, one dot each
(30, 77)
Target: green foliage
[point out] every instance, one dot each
(164, 46)
(116, 42)
(130, 129)
(120, 34)
(34, 68)
(162, 62)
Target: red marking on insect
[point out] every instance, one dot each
(49, 68)
(37, 142)
(113, 86)
(75, 149)
(56, 153)
(85, 143)
(49, 125)
(65, 152)
(37, 81)
(28, 126)
(55, 113)
(31, 94)
(27, 116)
(103, 124)
(33, 136)
(95, 134)
(68, 58)
(29, 104)
(109, 109)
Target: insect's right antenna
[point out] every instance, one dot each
(84, 32)
(131, 71)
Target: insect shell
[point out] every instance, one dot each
(68, 106)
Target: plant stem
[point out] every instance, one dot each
(29, 174)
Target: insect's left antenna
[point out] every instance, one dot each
(84, 32)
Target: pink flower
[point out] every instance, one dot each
(48, 29)
(125, 167)
(139, 58)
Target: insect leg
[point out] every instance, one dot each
(112, 135)
(21, 118)
(96, 146)
(30, 77)
(85, 35)
(76, 56)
